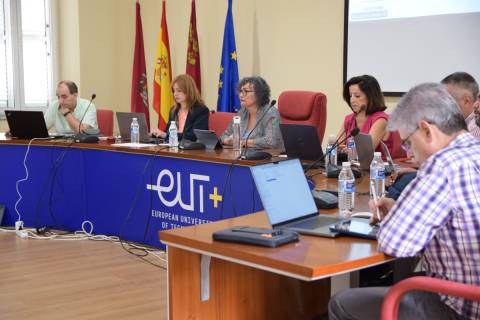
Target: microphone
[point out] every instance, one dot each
(255, 154)
(90, 134)
(337, 142)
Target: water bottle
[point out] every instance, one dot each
(346, 190)
(351, 150)
(377, 175)
(173, 135)
(237, 145)
(134, 131)
(331, 152)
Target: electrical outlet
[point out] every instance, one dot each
(18, 225)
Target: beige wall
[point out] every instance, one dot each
(292, 44)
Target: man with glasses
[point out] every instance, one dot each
(436, 216)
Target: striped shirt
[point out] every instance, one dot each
(472, 125)
(438, 215)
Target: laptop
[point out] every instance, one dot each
(364, 146)
(301, 141)
(124, 120)
(26, 124)
(288, 201)
(208, 138)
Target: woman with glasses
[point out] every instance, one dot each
(260, 122)
(364, 97)
(189, 111)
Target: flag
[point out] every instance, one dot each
(193, 51)
(139, 98)
(227, 94)
(162, 93)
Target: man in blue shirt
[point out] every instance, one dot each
(436, 217)
(66, 113)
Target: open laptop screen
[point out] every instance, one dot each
(284, 190)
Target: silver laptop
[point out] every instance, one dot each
(124, 120)
(288, 201)
(364, 146)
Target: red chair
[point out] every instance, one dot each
(304, 107)
(397, 151)
(219, 121)
(391, 302)
(105, 121)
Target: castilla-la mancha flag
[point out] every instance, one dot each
(139, 98)
(162, 92)
(193, 51)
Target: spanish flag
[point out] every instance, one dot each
(162, 93)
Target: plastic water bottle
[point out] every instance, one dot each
(331, 152)
(346, 190)
(173, 135)
(134, 131)
(351, 150)
(377, 174)
(237, 145)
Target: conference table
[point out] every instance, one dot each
(118, 190)
(218, 280)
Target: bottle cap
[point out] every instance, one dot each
(236, 120)
(134, 118)
(377, 154)
(345, 164)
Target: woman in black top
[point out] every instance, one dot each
(189, 111)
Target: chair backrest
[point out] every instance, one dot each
(304, 107)
(391, 302)
(397, 151)
(105, 121)
(219, 121)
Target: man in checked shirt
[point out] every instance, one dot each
(437, 216)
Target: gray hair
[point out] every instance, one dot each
(429, 102)
(463, 81)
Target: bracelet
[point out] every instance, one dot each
(67, 113)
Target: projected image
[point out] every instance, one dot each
(366, 10)
(405, 42)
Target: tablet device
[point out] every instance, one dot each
(356, 227)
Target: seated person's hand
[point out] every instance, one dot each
(228, 140)
(158, 133)
(401, 171)
(384, 205)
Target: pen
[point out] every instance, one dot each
(375, 199)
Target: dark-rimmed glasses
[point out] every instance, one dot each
(405, 143)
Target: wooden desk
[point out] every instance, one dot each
(250, 282)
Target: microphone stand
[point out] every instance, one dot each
(328, 152)
(254, 154)
(82, 136)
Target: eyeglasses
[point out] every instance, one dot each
(244, 91)
(406, 144)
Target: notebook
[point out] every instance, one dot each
(287, 199)
(124, 120)
(301, 141)
(26, 124)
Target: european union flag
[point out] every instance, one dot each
(227, 94)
